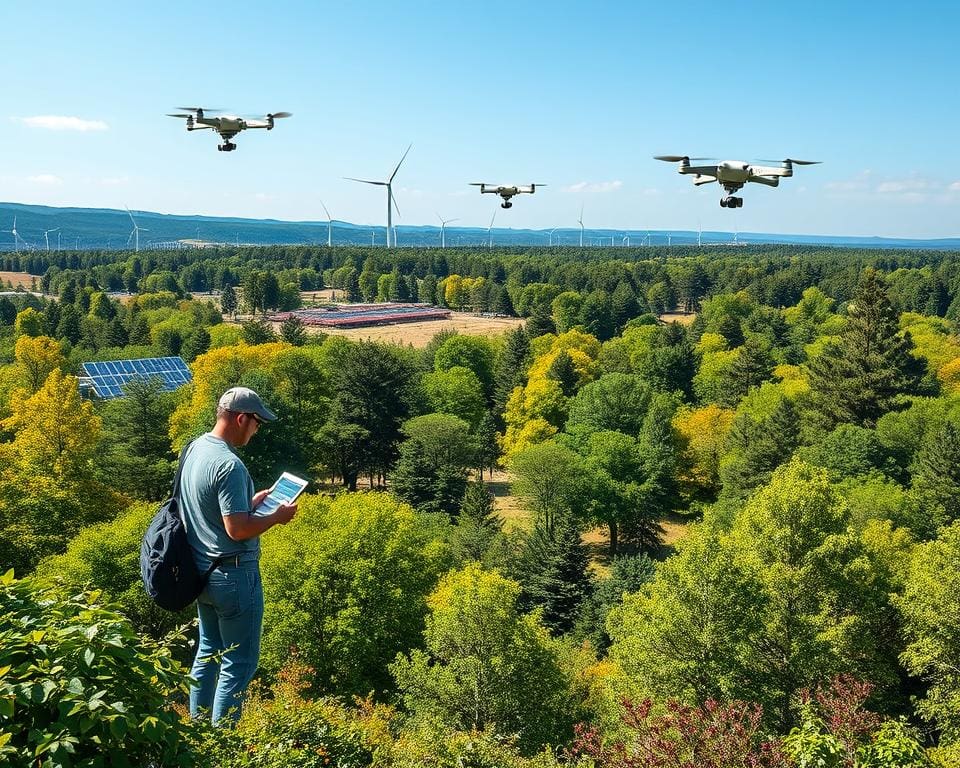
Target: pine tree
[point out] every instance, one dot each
(478, 524)
(511, 367)
(623, 305)
(753, 366)
(553, 574)
(487, 448)
(867, 374)
(196, 343)
(228, 300)
(293, 331)
(539, 323)
(936, 474)
(755, 448)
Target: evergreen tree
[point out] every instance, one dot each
(69, 326)
(427, 291)
(252, 292)
(8, 312)
(228, 300)
(293, 331)
(500, 302)
(753, 366)
(257, 332)
(869, 371)
(628, 573)
(196, 343)
(755, 448)
(539, 322)
(478, 525)
(118, 336)
(139, 331)
(553, 574)
(511, 367)
(936, 475)
(564, 373)
(486, 446)
(623, 305)
(270, 290)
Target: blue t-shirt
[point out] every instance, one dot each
(215, 483)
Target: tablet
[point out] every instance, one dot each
(285, 491)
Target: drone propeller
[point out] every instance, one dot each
(276, 115)
(199, 109)
(679, 158)
(179, 114)
(791, 160)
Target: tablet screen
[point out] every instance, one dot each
(285, 491)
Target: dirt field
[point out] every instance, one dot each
(17, 278)
(684, 318)
(418, 334)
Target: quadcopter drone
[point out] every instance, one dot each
(505, 191)
(733, 174)
(227, 126)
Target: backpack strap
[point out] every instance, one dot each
(176, 477)
(173, 495)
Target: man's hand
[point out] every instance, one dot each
(259, 496)
(284, 514)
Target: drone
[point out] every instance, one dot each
(733, 174)
(505, 191)
(227, 126)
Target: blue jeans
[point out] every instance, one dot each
(231, 619)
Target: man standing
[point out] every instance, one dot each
(217, 499)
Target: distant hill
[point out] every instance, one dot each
(89, 228)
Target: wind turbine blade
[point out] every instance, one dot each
(366, 181)
(325, 210)
(401, 162)
(394, 201)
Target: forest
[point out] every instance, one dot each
(738, 473)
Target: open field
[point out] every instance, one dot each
(19, 279)
(684, 318)
(419, 334)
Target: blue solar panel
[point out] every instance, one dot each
(108, 377)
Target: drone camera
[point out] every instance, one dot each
(506, 204)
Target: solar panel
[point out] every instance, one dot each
(107, 377)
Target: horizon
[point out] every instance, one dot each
(515, 108)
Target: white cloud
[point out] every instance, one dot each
(955, 187)
(63, 123)
(595, 186)
(912, 184)
(263, 196)
(46, 179)
(114, 181)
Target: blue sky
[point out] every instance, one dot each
(575, 95)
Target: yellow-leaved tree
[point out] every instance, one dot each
(36, 357)
(704, 432)
(48, 490)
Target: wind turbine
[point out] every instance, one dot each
(16, 236)
(490, 229)
(580, 222)
(135, 232)
(443, 224)
(699, 233)
(46, 236)
(391, 201)
(551, 234)
(329, 226)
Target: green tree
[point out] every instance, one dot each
(871, 369)
(752, 366)
(549, 479)
(136, 458)
(486, 664)
(345, 583)
(615, 401)
(195, 344)
(930, 606)
(757, 445)
(228, 300)
(936, 474)
(478, 525)
(29, 322)
(511, 366)
(257, 331)
(456, 391)
(431, 471)
(552, 571)
(293, 331)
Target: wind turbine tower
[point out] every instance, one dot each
(329, 226)
(443, 225)
(490, 229)
(135, 232)
(580, 222)
(46, 236)
(391, 201)
(16, 235)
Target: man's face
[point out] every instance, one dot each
(249, 424)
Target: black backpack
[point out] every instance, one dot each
(167, 567)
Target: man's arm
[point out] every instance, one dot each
(241, 526)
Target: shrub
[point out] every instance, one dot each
(79, 687)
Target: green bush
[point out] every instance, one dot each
(79, 687)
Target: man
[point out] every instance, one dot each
(218, 499)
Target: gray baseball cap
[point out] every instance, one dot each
(245, 400)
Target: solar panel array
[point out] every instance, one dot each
(107, 378)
